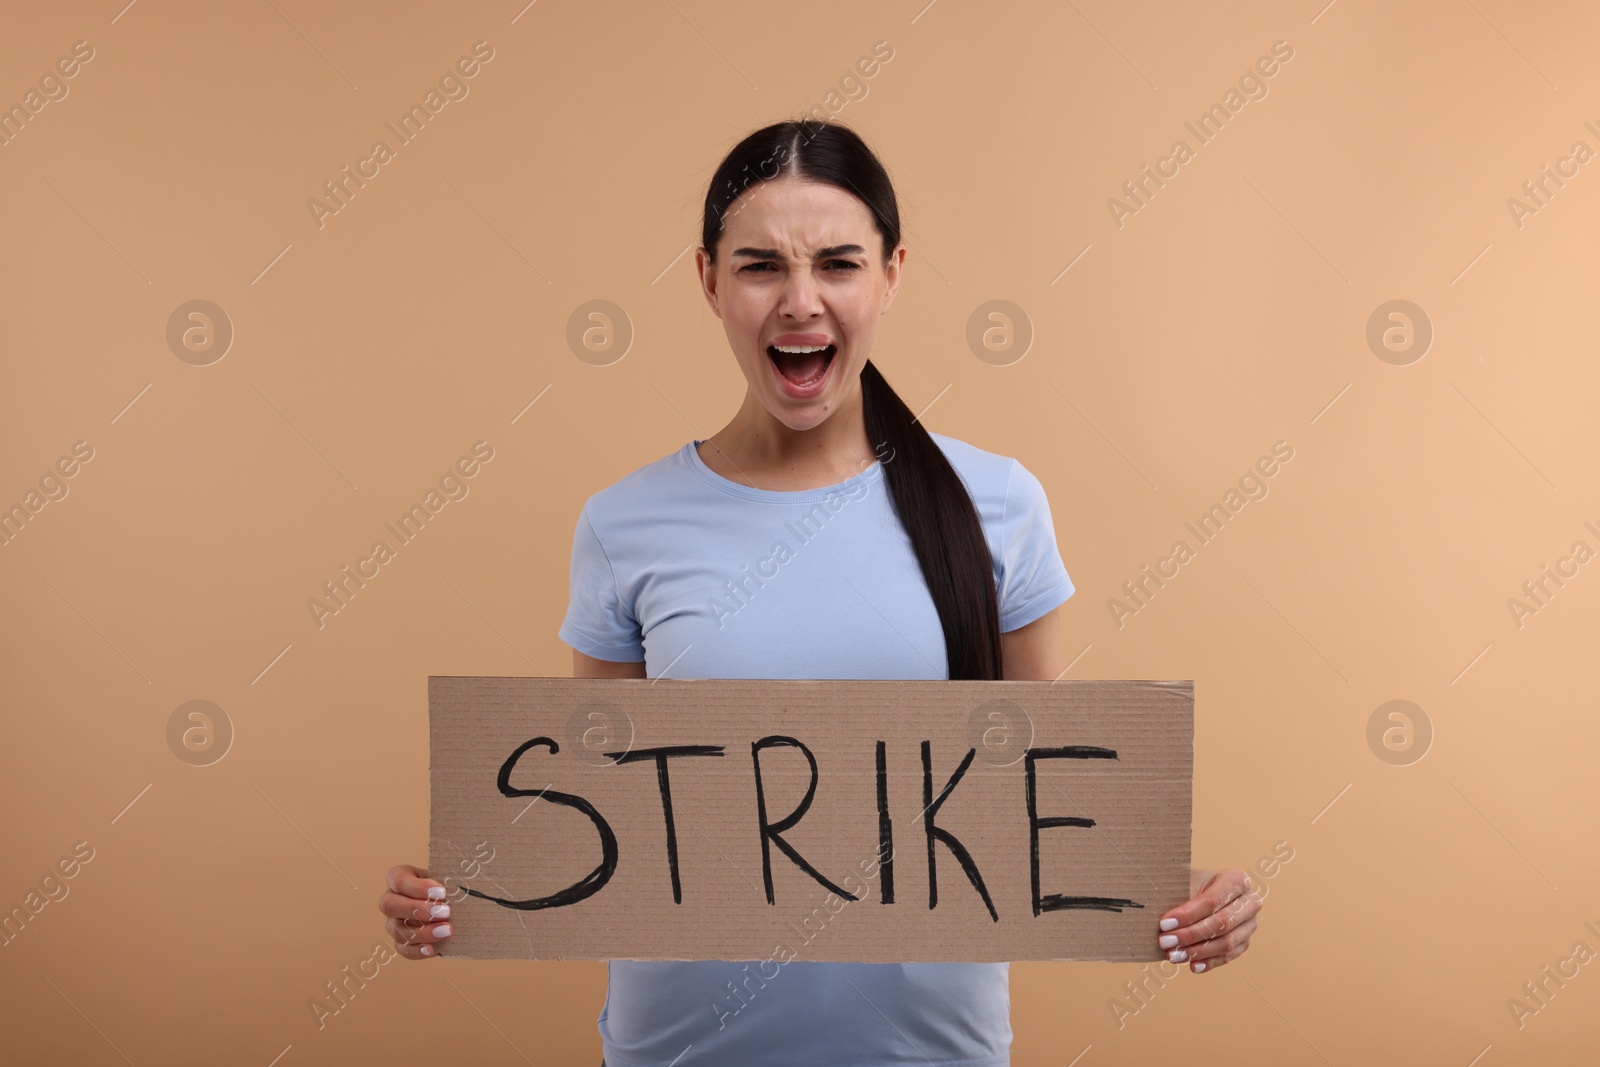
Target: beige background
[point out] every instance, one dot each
(1228, 314)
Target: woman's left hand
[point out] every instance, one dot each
(1215, 925)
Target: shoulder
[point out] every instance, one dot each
(1006, 494)
(991, 478)
(642, 490)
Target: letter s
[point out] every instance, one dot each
(878, 49)
(483, 450)
(1283, 50)
(483, 50)
(596, 879)
(1283, 450)
(77, 850)
(84, 451)
(83, 50)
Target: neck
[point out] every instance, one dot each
(763, 447)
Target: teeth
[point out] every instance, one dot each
(801, 349)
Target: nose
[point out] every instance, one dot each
(802, 298)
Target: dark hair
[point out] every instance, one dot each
(928, 495)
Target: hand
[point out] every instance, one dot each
(414, 905)
(1215, 926)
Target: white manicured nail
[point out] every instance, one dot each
(1199, 967)
(1177, 955)
(442, 911)
(1168, 940)
(1169, 924)
(427, 950)
(436, 892)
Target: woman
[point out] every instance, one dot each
(823, 533)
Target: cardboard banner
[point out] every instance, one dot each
(872, 821)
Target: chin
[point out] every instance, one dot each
(808, 418)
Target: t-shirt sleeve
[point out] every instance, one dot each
(1033, 580)
(599, 623)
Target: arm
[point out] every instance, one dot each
(1033, 652)
(586, 666)
(1216, 924)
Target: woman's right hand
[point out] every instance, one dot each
(415, 906)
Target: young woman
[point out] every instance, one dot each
(822, 533)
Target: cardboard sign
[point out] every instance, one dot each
(873, 821)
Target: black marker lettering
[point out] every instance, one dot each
(596, 879)
(885, 831)
(661, 755)
(1057, 901)
(930, 811)
(770, 831)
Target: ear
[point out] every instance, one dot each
(897, 259)
(708, 279)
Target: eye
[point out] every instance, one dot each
(753, 266)
(845, 263)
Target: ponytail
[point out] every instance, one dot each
(946, 533)
(928, 495)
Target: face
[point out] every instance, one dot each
(800, 265)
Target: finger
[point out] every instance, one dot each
(1208, 965)
(1218, 890)
(411, 881)
(416, 952)
(420, 934)
(395, 906)
(1231, 914)
(1222, 944)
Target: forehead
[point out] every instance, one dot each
(798, 217)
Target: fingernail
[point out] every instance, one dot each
(436, 892)
(443, 930)
(1169, 924)
(1199, 967)
(1177, 955)
(427, 950)
(1167, 940)
(442, 911)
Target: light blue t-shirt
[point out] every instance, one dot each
(703, 577)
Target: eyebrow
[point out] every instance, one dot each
(772, 253)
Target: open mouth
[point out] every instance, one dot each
(802, 366)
